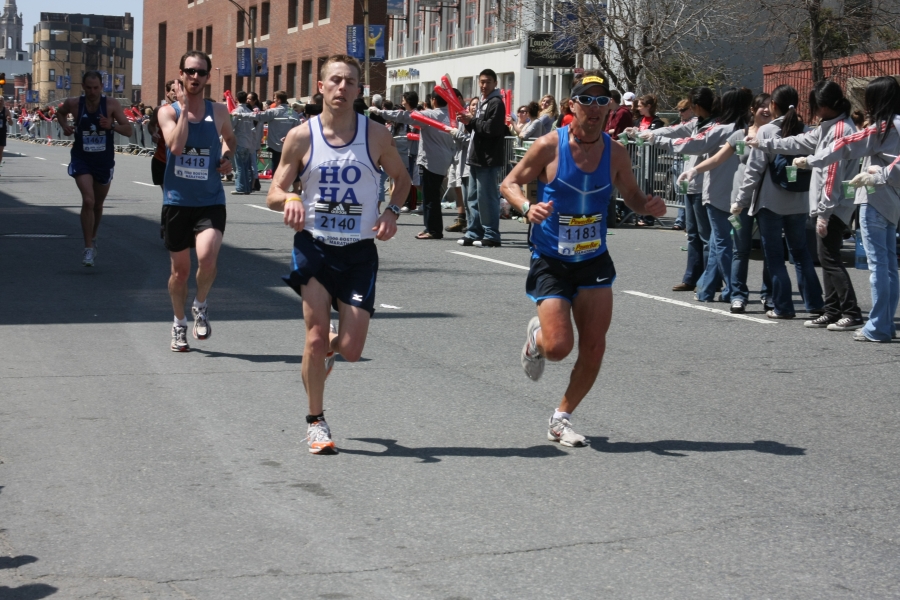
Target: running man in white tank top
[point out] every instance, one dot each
(338, 156)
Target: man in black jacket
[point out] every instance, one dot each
(486, 158)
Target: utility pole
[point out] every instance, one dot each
(366, 89)
(250, 18)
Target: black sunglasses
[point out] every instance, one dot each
(198, 72)
(588, 100)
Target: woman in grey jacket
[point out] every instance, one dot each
(779, 210)
(879, 206)
(735, 114)
(828, 203)
(704, 105)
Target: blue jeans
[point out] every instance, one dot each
(879, 237)
(771, 225)
(244, 160)
(740, 261)
(483, 203)
(696, 225)
(718, 264)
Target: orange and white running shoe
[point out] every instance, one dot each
(318, 435)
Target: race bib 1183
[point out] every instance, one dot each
(579, 234)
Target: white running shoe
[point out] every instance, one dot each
(329, 357)
(179, 339)
(87, 259)
(202, 329)
(846, 324)
(561, 431)
(318, 434)
(532, 361)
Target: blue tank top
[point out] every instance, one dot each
(93, 144)
(576, 230)
(191, 178)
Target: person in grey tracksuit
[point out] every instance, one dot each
(879, 204)
(696, 222)
(780, 211)
(831, 208)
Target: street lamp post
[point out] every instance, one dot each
(250, 17)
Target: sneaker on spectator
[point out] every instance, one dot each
(457, 226)
(846, 324)
(820, 322)
(561, 431)
(404, 209)
(486, 243)
(738, 306)
(775, 315)
(859, 336)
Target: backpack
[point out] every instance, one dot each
(778, 173)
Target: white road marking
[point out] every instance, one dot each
(262, 208)
(704, 308)
(39, 158)
(142, 183)
(493, 260)
(64, 164)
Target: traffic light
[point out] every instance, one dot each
(2, 78)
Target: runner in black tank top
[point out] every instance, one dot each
(92, 155)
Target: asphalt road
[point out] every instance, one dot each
(730, 458)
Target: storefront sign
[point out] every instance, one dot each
(543, 52)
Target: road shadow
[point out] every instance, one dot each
(41, 246)
(31, 591)
(677, 447)
(14, 562)
(291, 359)
(431, 454)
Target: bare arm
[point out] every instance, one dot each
(296, 146)
(116, 120)
(534, 164)
(61, 113)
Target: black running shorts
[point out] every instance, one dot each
(346, 272)
(552, 278)
(181, 224)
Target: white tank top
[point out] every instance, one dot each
(340, 187)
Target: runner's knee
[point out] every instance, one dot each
(556, 348)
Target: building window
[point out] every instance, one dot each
(452, 29)
(491, 21)
(307, 11)
(264, 20)
(305, 78)
(293, 9)
(507, 81)
(52, 54)
(434, 30)
(227, 84)
(396, 94)
(471, 21)
(276, 79)
(324, 9)
(291, 83)
(161, 35)
(417, 33)
(240, 27)
(465, 87)
(198, 39)
(400, 38)
(52, 75)
(319, 63)
(209, 39)
(511, 15)
(190, 41)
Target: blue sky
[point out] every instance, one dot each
(31, 14)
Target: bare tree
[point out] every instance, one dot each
(816, 31)
(637, 41)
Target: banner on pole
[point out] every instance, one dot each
(355, 42)
(243, 62)
(261, 62)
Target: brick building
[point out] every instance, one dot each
(298, 34)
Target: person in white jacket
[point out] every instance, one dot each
(828, 202)
(879, 205)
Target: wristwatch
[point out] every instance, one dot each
(525, 206)
(394, 209)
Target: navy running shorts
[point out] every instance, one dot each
(552, 278)
(346, 272)
(179, 225)
(101, 175)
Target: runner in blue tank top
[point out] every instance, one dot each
(571, 273)
(193, 214)
(93, 153)
(338, 155)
